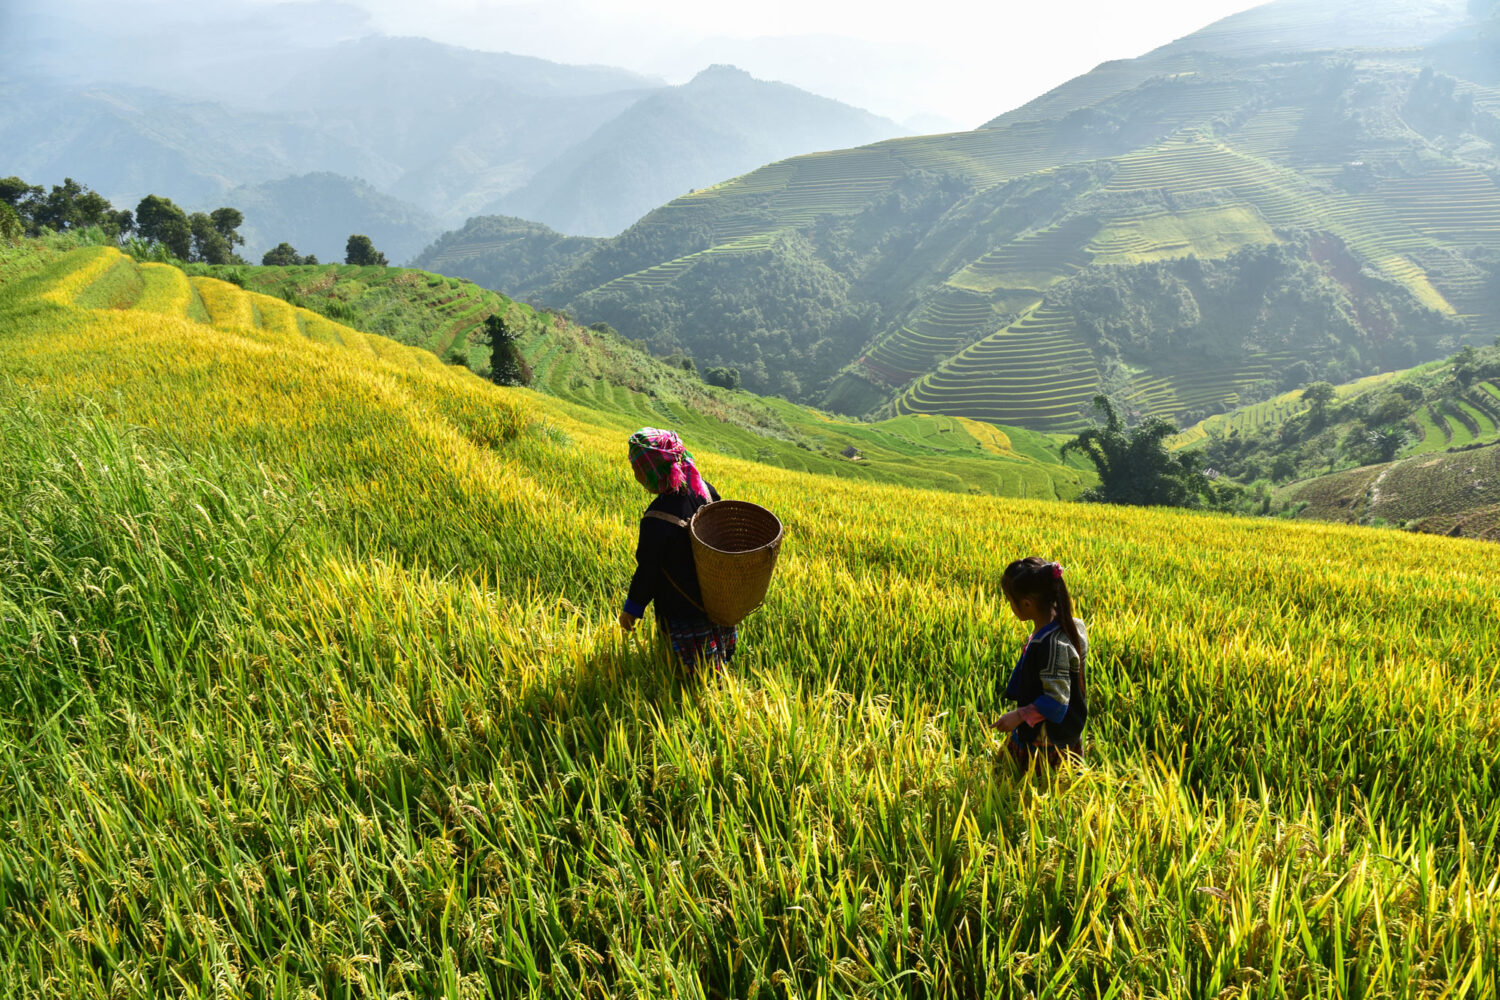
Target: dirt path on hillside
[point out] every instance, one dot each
(1373, 496)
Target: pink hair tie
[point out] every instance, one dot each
(1057, 571)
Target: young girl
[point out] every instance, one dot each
(664, 570)
(1048, 678)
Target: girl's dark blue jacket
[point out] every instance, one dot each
(1049, 675)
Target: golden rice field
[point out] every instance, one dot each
(311, 687)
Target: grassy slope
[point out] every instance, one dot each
(315, 686)
(608, 376)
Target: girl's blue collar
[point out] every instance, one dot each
(1046, 630)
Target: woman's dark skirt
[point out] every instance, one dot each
(700, 643)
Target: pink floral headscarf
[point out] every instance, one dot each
(661, 459)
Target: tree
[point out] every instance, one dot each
(227, 222)
(120, 222)
(724, 378)
(1386, 441)
(362, 252)
(209, 245)
(23, 198)
(14, 191)
(10, 223)
(281, 255)
(60, 209)
(1466, 366)
(1318, 395)
(158, 220)
(1135, 468)
(507, 366)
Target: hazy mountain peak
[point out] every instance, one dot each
(721, 72)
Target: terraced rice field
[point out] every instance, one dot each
(1270, 134)
(1389, 228)
(947, 321)
(1208, 232)
(467, 251)
(1036, 373)
(1473, 420)
(1034, 260)
(660, 275)
(318, 691)
(1176, 393)
(993, 156)
(1456, 204)
(1182, 100)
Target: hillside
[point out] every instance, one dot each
(1454, 493)
(1263, 192)
(1397, 448)
(316, 688)
(605, 374)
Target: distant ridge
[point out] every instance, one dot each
(317, 213)
(451, 131)
(718, 125)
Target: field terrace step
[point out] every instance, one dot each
(228, 305)
(1172, 394)
(101, 284)
(946, 322)
(1056, 252)
(1459, 204)
(1036, 373)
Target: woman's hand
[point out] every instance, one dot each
(1027, 715)
(627, 621)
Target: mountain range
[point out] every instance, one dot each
(447, 132)
(1303, 184)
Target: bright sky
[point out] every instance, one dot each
(962, 60)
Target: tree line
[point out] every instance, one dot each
(207, 237)
(198, 237)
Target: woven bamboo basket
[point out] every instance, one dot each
(735, 544)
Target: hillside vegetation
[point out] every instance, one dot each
(607, 375)
(312, 685)
(1264, 192)
(1398, 448)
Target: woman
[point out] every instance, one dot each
(664, 570)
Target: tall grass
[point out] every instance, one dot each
(347, 715)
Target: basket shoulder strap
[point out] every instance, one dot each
(675, 585)
(667, 517)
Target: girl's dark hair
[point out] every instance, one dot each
(1036, 578)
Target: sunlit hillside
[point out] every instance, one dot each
(614, 379)
(310, 684)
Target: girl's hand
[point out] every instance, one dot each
(1008, 721)
(627, 621)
